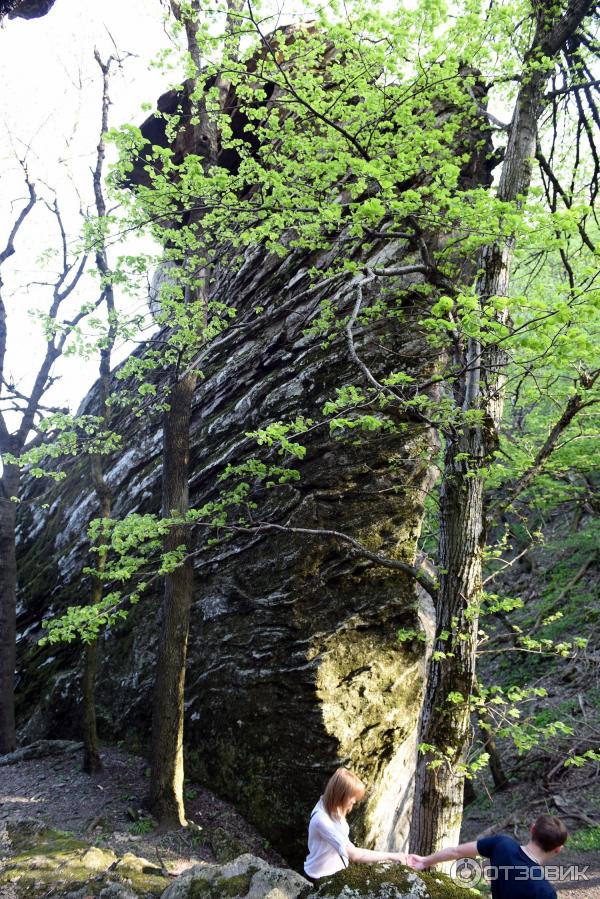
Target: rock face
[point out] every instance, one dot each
(294, 663)
(25, 9)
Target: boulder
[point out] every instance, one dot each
(38, 859)
(246, 876)
(390, 881)
(294, 663)
(252, 878)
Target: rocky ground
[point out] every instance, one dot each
(47, 784)
(64, 824)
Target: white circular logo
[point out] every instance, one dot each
(466, 870)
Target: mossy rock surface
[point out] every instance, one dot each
(44, 861)
(225, 847)
(389, 881)
(246, 877)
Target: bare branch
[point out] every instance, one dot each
(419, 574)
(561, 91)
(9, 249)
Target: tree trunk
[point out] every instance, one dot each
(166, 792)
(9, 487)
(91, 752)
(446, 723)
(498, 776)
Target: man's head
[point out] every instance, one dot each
(549, 833)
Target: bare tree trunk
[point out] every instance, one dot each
(166, 792)
(166, 796)
(497, 771)
(445, 722)
(91, 752)
(9, 487)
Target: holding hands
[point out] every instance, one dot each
(417, 862)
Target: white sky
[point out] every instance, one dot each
(50, 102)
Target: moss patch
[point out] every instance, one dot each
(387, 881)
(236, 886)
(441, 886)
(363, 880)
(57, 860)
(225, 847)
(586, 839)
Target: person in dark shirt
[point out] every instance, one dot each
(515, 872)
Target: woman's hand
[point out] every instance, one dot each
(411, 861)
(418, 862)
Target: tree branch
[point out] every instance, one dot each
(575, 404)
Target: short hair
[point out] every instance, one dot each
(549, 832)
(342, 786)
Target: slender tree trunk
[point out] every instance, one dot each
(445, 723)
(166, 794)
(9, 487)
(91, 751)
(497, 771)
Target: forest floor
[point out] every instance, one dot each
(557, 582)
(106, 809)
(512, 812)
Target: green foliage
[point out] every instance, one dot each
(585, 840)
(66, 435)
(141, 827)
(406, 635)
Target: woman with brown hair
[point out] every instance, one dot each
(329, 846)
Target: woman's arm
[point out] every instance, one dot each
(367, 856)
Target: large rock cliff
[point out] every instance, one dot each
(294, 662)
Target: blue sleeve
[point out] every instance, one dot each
(486, 845)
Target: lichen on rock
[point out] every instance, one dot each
(39, 859)
(389, 881)
(246, 876)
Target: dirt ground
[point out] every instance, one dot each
(107, 809)
(514, 810)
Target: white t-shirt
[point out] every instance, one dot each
(328, 843)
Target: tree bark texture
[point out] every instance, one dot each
(9, 487)
(168, 709)
(92, 762)
(446, 725)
